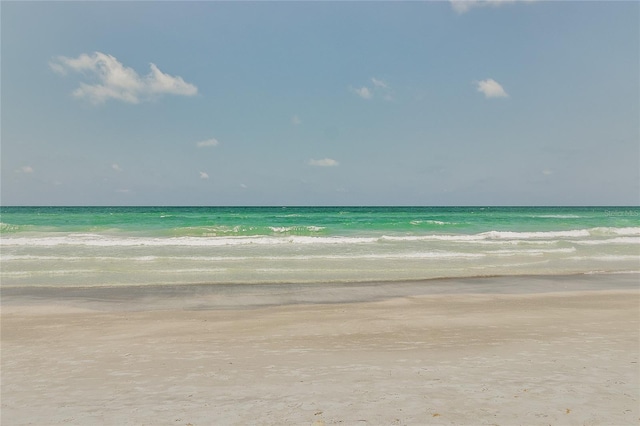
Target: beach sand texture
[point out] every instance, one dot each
(564, 358)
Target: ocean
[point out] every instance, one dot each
(124, 246)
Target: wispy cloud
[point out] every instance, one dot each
(204, 175)
(116, 167)
(491, 89)
(325, 162)
(295, 120)
(379, 83)
(363, 92)
(112, 80)
(377, 88)
(26, 169)
(208, 142)
(463, 6)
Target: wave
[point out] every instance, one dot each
(556, 216)
(617, 240)
(434, 254)
(578, 233)
(295, 229)
(608, 257)
(430, 222)
(245, 231)
(520, 236)
(288, 235)
(615, 231)
(11, 228)
(98, 240)
(351, 256)
(530, 251)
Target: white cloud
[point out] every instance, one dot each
(379, 83)
(243, 186)
(208, 142)
(547, 172)
(26, 169)
(113, 80)
(491, 89)
(378, 88)
(204, 175)
(325, 162)
(160, 83)
(463, 6)
(57, 68)
(363, 92)
(116, 167)
(295, 120)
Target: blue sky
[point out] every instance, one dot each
(320, 103)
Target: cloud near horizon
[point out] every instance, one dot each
(325, 162)
(113, 80)
(208, 142)
(491, 89)
(463, 6)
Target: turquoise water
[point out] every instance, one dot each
(72, 246)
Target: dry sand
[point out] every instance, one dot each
(563, 358)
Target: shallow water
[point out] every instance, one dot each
(104, 246)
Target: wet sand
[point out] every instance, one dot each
(552, 350)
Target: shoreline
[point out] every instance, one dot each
(567, 356)
(250, 296)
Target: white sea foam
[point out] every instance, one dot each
(517, 242)
(432, 222)
(597, 272)
(594, 236)
(288, 229)
(608, 258)
(151, 258)
(578, 233)
(414, 255)
(48, 272)
(509, 235)
(256, 258)
(531, 251)
(436, 237)
(557, 216)
(108, 241)
(7, 227)
(617, 240)
(605, 231)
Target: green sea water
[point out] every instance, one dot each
(249, 221)
(70, 246)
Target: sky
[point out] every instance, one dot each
(320, 103)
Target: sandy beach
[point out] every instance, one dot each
(560, 351)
